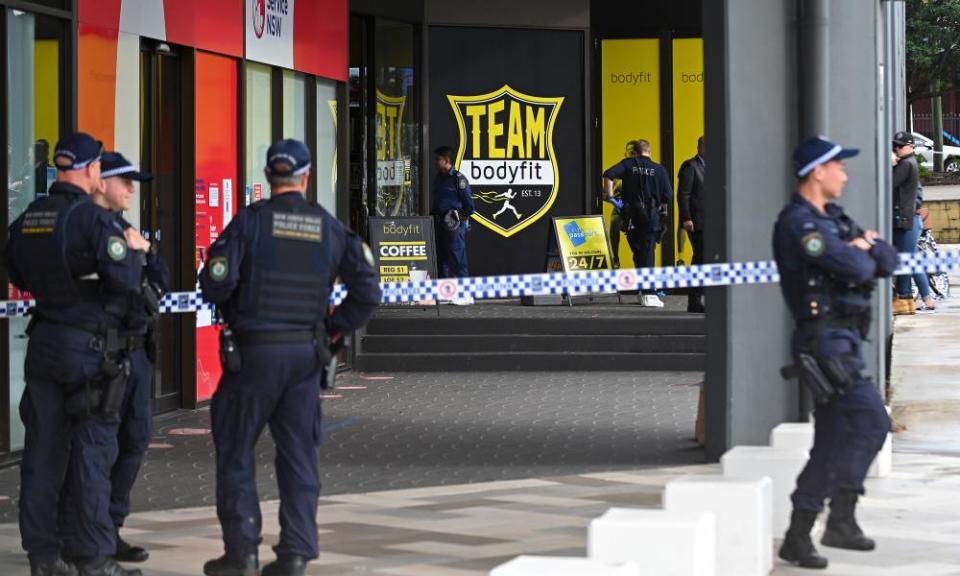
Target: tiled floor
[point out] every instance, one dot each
(468, 529)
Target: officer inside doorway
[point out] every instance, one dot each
(451, 206)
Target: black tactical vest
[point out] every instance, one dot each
(289, 273)
(41, 250)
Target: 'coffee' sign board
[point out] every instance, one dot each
(402, 246)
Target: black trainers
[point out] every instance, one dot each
(229, 566)
(797, 546)
(842, 528)
(286, 566)
(105, 567)
(57, 567)
(128, 553)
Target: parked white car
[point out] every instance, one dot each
(924, 147)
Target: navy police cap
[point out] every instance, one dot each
(113, 164)
(76, 151)
(288, 158)
(816, 151)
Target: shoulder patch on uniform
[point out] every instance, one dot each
(813, 244)
(117, 248)
(462, 183)
(368, 255)
(219, 268)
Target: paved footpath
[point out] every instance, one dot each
(466, 529)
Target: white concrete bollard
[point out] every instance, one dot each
(559, 566)
(883, 463)
(744, 514)
(792, 436)
(665, 543)
(781, 465)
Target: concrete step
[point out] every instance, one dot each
(574, 343)
(531, 362)
(653, 324)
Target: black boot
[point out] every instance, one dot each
(128, 553)
(56, 567)
(230, 566)
(797, 546)
(105, 567)
(286, 566)
(842, 528)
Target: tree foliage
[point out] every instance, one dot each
(933, 47)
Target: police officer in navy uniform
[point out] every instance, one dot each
(646, 194)
(828, 267)
(139, 333)
(80, 265)
(451, 206)
(271, 274)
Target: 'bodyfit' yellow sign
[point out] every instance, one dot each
(583, 243)
(687, 115)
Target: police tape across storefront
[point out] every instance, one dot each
(571, 283)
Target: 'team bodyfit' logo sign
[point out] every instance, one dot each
(506, 151)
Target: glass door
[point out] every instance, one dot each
(161, 201)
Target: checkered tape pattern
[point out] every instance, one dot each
(597, 281)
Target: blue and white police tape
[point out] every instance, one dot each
(597, 281)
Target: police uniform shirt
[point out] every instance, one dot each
(95, 249)
(805, 237)
(451, 191)
(655, 182)
(351, 260)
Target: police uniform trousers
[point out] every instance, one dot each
(849, 430)
(453, 252)
(133, 437)
(643, 242)
(59, 360)
(278, 385)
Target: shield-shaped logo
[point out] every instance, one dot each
(506, 152)
(393, 168)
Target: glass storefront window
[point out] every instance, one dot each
(294, 105)
(397, 121)
(33, 119)
(325, 165)
(259, 133)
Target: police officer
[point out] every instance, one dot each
(139, 334)
(828, 266)
(79, 264)
(646, 194)
(451, 206)
(271, 273)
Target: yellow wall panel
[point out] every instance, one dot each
(46, 86)
(630, 101)
(688, 121)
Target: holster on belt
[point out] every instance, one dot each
(103, 393)
(230, 358)
(812, 377)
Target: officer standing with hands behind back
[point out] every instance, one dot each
(79, 264)
(828, 269)
(271, 274)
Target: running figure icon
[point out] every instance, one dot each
(507, 197)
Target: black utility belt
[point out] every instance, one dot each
(133, 341)
(851, 322)
(278, 337)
